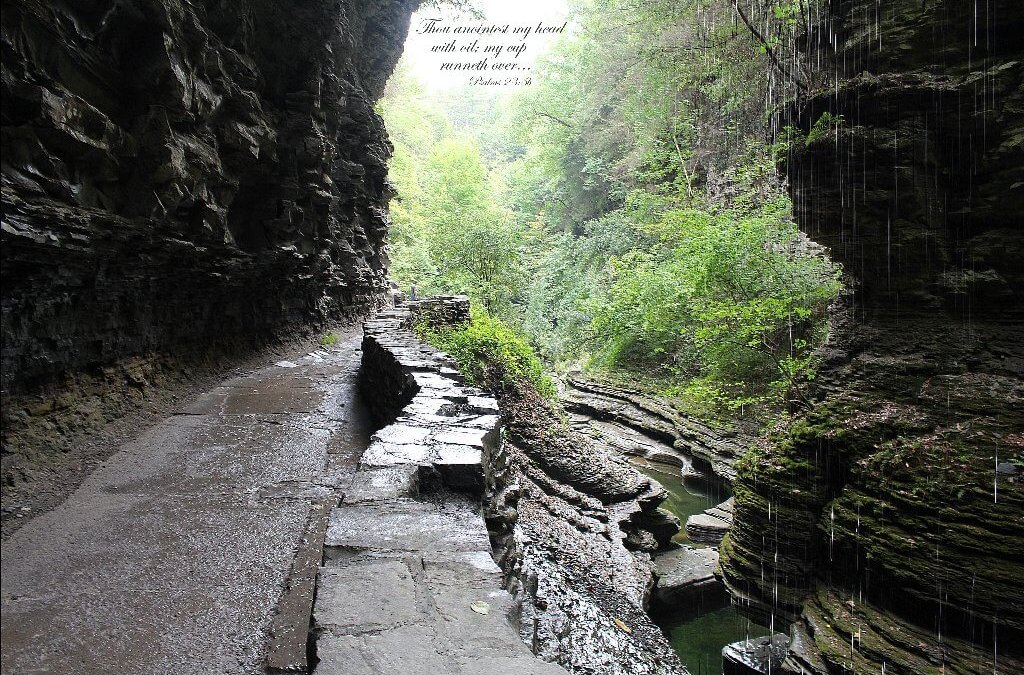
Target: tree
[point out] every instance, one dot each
(474, 242)
(448, 232)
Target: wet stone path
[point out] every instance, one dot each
(173, 556)
(408, 583)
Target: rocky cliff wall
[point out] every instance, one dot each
(181, 177)
(885, 521)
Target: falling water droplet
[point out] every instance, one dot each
(995, 481)
(832, 530)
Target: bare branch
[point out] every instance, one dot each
(541, 113)
(767, 47)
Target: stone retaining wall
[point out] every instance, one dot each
(408, 584)
(441, 310)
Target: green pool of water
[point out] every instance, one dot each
(698, 633)
(699, 640)
(686, 496)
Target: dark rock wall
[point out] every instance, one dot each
(876, 521)
(180, 175)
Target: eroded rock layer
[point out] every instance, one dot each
(885, 520)
(181, 176)
(574, 525)
(662, 434)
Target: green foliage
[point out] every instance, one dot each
(490, 352)
(784, 142)
(473, 243)
(329, 340)
(725, 297)
(571, 280)
(824, 126)
(449, 231)
(625, 212)
(672, 253)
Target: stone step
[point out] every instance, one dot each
(710, 526)
(409, 586)
(451, 523)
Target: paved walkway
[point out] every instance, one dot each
(172, 557)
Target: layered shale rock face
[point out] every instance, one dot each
(885, 520)
(574, 524)
(633, 423)
(185, 175)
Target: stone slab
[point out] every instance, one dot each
(451, 614)
(392, 454)
(402, 434)
(706, 520)
(523, 664)
(405, 650)
(758, 656)
(407, 525)
(454, 585)
(460, 467)
(377, 484)
(685, 574)
(365, 596)
(289, 630)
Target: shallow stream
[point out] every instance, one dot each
(698, 633)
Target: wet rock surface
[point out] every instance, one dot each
(662, 434)
(188, 550)
(408, 583)
(709, 527)
(440, 310)
(887, 488)
(648, 431)
(685, 573)
(409, 586)
(567, 520)
(570, 564)
(574, 525)
(757, 656)
(183, 178)
(436, 422)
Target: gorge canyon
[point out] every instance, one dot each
(186, 183)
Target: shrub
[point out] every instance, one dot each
(726, 300)
(489, 352)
